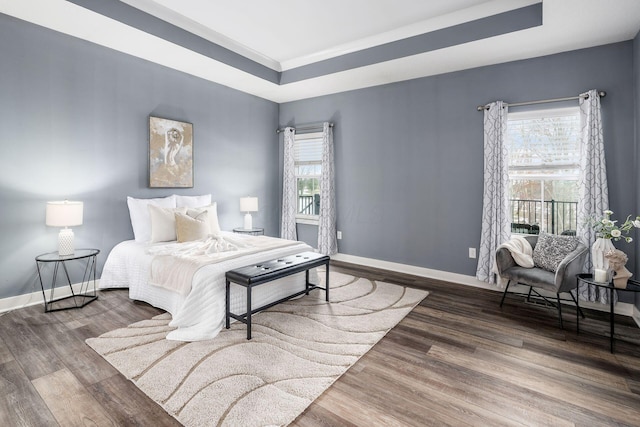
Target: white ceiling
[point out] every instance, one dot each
(284, 34)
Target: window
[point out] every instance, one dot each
(544, 160)
(308, 168)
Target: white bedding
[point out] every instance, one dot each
(200, 314)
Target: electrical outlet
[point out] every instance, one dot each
(472, 252)
(339, 233)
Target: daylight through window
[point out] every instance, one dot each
(544, 160)
(308, 168)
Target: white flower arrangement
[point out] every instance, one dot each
(607, 228)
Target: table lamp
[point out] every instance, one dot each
(64, 214)
(248, 205)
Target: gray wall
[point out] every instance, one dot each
(74, 120)
(409, 161)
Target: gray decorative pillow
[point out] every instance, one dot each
(551, 249)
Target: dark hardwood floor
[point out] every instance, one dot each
(457, 359)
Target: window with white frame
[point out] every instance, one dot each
(544, 160)
(308, 168)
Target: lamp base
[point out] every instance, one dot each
(248, 221)
(65, 242)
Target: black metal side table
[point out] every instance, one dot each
(85, 296)
(632, 286)
(250, 231)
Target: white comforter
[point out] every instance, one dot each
(199, 314)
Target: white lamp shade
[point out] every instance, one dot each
(248, 204)
(64, 214)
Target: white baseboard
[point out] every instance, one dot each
(415, 271)
(623, 308)
(34, 298)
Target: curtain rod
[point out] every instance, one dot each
(309, 127)
(544, 101)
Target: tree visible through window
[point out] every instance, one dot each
(544, 159)
(308, 169)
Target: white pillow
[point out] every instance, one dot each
(163, 223)
(212, 210)
(193, 201)
(139, 213)
(189, 229)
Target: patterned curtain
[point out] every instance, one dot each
(496, 228)
(327, 238)
(289, 199)
(593, 191)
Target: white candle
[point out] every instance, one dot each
(600, 276)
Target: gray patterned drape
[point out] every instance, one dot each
(289, 202)
(593, 190)
(327, 238)
(496, 227)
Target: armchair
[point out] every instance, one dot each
(562, 280)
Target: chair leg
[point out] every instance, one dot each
(504, 294)
(529, 294)
(559, 310)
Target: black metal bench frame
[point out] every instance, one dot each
(265, 272)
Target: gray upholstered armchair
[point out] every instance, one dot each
(562, 280)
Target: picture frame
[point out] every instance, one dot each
(170, 153)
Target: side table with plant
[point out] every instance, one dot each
(607, 230)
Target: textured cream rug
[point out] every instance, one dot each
(298, 349)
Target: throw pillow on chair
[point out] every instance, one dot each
(557, 260)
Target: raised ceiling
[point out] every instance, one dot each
(285, 50)
(289, 33)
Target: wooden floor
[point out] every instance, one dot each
(457, 359)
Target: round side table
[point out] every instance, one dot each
(81, 298)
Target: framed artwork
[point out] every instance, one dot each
(170, 153)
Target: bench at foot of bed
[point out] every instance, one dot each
(268, 271)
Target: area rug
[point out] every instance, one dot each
(298, 349)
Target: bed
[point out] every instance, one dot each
(186, 278)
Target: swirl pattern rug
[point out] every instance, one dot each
(298, 349)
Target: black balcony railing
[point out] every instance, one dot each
(559, 217)
(309, 205)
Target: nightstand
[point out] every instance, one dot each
(250, 231)
(88, 259)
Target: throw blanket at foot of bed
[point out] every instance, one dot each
(175, 264)
(202, 312)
